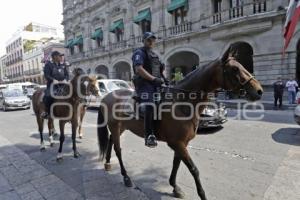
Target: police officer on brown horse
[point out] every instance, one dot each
(56, 73)
(148, 79)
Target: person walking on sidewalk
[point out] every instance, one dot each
(278, 92)
(291, 86)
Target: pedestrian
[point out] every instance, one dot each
(278, 92)
(147, 80)
(291, 85)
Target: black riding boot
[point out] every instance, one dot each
(150, 139)
(48, 102)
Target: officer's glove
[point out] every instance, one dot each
(157, 81)
(55, 81)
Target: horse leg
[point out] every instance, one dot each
(74, 129)
(82, 113)
(59, 156)
(107, 165)
(177, 190)
(40, 122)
(51, 131)
(185, 157)
(116, 141)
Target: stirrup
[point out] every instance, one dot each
(151, 141)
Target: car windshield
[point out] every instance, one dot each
(115, 85)
(13, 93)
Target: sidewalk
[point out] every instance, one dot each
(22, 178)
(242, 103)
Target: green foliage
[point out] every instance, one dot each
(29, 45)
(178, 75)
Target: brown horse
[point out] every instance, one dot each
(39, 108)
(70, 109)
(225, 72)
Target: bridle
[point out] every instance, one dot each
(225, 73)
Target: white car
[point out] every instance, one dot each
(12, 99)
(105, 86)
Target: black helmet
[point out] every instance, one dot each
(56, 53)
(148, 35)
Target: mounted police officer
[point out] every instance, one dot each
(148, 71)
(56, 73)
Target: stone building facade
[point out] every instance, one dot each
(101, 35)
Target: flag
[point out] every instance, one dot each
(292, 17)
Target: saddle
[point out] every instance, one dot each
(133, 107)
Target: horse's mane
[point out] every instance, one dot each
(195, 73)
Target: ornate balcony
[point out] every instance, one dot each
(248, 9)
(181, 28)
(118, 45)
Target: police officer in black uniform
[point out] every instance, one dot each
(148, 71)
(56, 73)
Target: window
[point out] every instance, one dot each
(119, 35)
(180, 15)
(71, 50)
(143, 19)
(99, 42)
(146, 26)
(217, 6)
(80, 47)
(118, 29)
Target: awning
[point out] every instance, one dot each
(97, 34)
(78, 40)
(69, 43)
(175, 4)
(117, 25)
(143, 15)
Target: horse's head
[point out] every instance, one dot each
(236, 77)
(87, 84)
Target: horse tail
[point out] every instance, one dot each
(103, 135)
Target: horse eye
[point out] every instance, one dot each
(236, 69)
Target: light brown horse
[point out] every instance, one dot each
(70, 109)
(225, 72)
(39, 108)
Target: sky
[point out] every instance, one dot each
(15, 14)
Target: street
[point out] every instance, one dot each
(246, 160)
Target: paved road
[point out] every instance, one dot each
(247, 159)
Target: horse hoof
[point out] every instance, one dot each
(76, 155)
(127, 182)
(42, 149)
(59, 157)
(52, 144)
(107, 167)
(80, 137)
(178, 193)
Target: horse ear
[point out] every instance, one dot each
(226, 55)
(78, 71)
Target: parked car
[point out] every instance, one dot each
(105, 86)
(12, 99)
(213, 116)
